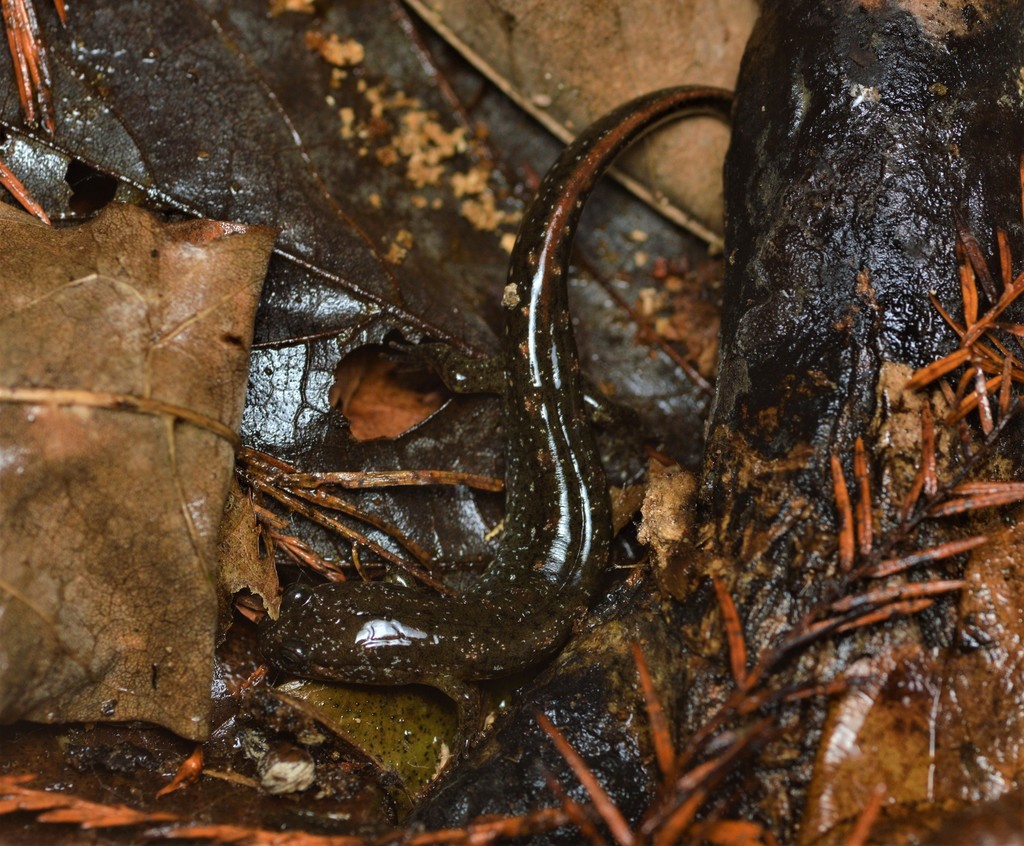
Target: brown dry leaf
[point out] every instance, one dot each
(668, 526)
(242, 564)
(567, 63)
(934, 726)
(124, 354)
(378, 399)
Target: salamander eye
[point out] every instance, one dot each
(291, 655)
(297, 595)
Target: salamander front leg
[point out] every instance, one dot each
(461, 373)
(467, 698)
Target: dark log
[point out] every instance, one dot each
(862, 131)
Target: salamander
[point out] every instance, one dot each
(557, 526)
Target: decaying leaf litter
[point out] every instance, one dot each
(103, 326)
(31, 160)
(863, 535)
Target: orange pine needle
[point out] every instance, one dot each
(611, 815)
(1005, 259)
(733, 833)
(869, 617)
(976, 501)
(661, 737)
(679, 820)
(225, 834)
(31, 63)
(966, 404)
(830, 688)
(188, 773)
(68, 808)
(865, 530)
(29, 41)
(21, 194)
(913, 495)
(62, 11)
(968, 289)
(925, 478)
(964, 385)
(1005, 384)
(975, 257)
(44, 79)
(699, 782)
(15, 25)
(892, 593)
(965, 433)
(891, 566)
(254, 678)
(992, 359)
(866, 820)
(575, 812)
(304, 556)
(301, 502)
(478, 832)
(842, 497)
(986, 320)
(733, 633)
(938, 369)
(906, 608)
(983, 488)
(956, 327)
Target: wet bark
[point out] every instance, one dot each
(861, 131)
(858, 135)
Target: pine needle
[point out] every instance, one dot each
(846, 533)
(606, 808)
(188, 773)
(1001, 493)
(968, 288)
(661, 737)
(866, 820)
(974, 256)
(21, 193)
(860, 473)
(892, 566)
(1004, 257)
(981, 399)
(938, 369)
(70, 809)
(733, 633)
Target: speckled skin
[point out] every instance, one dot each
(557, 527)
